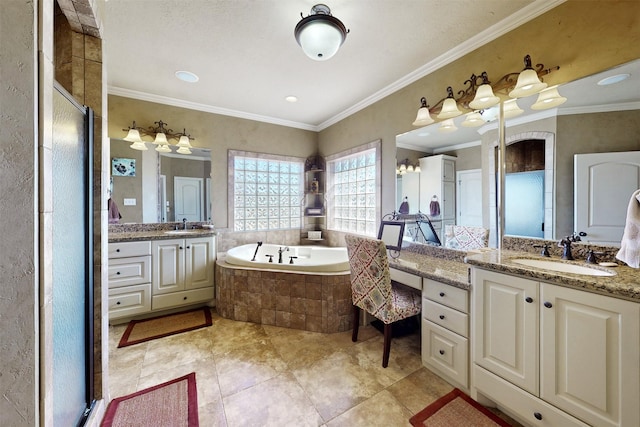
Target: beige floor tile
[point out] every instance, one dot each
(419, 389)
(383, 409)
(277, 402)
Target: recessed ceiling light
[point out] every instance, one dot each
(423, 134)
(187, 76)
(292, 98)
(613, 79)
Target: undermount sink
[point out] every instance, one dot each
(180, 232)
(563, 267)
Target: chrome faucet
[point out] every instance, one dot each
(286, 248)
(566, 245)
(184, 223)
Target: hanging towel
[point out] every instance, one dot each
(114, 213)
(434, 207)
(630, 245)
(404, 206)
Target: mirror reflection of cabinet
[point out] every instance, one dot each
(409, 187)
(438, 190)
(313, 203)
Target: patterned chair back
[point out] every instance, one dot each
(370, 276)
(465, 237)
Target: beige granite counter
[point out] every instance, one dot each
(161, 231)
(625, 284)
(440, 264)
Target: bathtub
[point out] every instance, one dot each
(309, 258)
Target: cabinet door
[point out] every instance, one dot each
(199, 263)
(448, 170)
(590, 347)
(168, 266)
(448, 200)
(506, 327)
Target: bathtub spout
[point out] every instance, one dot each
(286, 248)
(256, 252)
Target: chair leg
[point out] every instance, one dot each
(356, 323)
(387, 345)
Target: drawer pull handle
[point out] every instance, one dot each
(117, 250)
(441, 294)
(548, 304)
(117, 273)
(441, 352)
(441, 317)
(118, 303)
(185, 298)
(188, 247)
(181, 248)
(537, 415)
(529, 300)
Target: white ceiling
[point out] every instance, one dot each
(248, 60)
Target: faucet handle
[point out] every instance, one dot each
(545, 249)
(591, 256)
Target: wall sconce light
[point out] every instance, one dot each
(528, 81)
(449, 106)
(549, 98)
(511, 109)
(406, 167)
(447, 126)
(473, 119)
(484, 95)
(423, 117)
(161, 137)
(320, 34)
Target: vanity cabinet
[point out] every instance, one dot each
(129, 279)
(445, 331)
(438, 183)
(555, 355)
(183, 271)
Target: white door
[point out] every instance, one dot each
(469, 194)
(188, 197)
(603, 185)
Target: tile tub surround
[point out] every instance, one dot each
(318, 302)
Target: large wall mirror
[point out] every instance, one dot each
(541, 149)
(155, 187)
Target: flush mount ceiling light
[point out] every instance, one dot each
(423, 118)
(161, 137)
(291, 98)
(320, 34)
(613, 79)
(187, 76)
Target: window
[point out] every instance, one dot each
(266, 191)
(354, 190)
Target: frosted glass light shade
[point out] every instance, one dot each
(423, 118)
(163, 149)
(449, 109)
(447, 126)
(417, 169)
(549, 98)
(511, 109)
(184, 142)
(410, 168)
(320, 35)
(161, 139)
(528, 84)
(133, 136)
(484, 98)
(183, 150)
(403, 168)
(473, 119)
(139, 145)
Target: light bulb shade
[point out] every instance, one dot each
(484, 98)
(183, 150)
(161, 139)
(528, 84)
(449, 109)
(417, 169)
(447, 126)
(133, 136)
(473, 119)
(184, 142)
(511, 109)
(139, 145)
(320, 35)
(410, 168)
(423, 118)
(403, 167)
(549, 98)
(163, 149)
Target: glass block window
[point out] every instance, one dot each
(354, 191)
(266, 191)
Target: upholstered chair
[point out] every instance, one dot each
(373, 291)
(465, 238)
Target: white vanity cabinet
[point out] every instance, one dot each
(445, 331)
(129, 279)
(183, 271)
(555, 355)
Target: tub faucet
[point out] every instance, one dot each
(256, 252)
(286, 248)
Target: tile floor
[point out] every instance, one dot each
(258, 375)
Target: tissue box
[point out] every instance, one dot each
(315, 235)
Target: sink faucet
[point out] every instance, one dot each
(566, 244)
(184, 223)
(286, 248)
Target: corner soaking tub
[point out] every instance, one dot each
(306, 258)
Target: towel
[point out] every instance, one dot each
(404, 206)
(114, 213)
(434, 207)
(630, 245)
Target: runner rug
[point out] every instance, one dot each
(174, 403)
(157, 327)
(456, 409)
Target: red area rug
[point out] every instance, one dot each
(174, 403)
(456, 409)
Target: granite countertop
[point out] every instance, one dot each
(625, 284)
(448, 268)
(130, 236)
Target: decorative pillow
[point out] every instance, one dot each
(465, 238)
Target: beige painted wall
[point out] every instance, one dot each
(215, 132)
(129, 187)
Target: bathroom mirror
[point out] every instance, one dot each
(166, 187)
(595, 118)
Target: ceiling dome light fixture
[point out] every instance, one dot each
(320, 34)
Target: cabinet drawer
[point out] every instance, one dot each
(446, 317)
(177, 299)
(129, 271)
(406, 278)
(522, 403)
(128, 249)
(129, 300)
(446, 352)
(448, 295)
